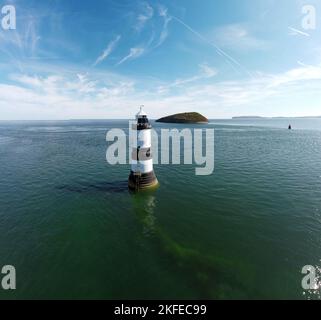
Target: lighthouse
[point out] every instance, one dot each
(142, 174)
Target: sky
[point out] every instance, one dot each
(102, 59)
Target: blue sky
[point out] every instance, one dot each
(102, 59)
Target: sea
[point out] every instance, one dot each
(72, 229)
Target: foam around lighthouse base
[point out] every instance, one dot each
(142, 181)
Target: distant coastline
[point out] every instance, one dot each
(248, 117)
(259, 117)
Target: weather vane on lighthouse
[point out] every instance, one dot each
(142, 174)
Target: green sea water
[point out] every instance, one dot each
(72, 230)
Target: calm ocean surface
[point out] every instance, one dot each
(72, 230)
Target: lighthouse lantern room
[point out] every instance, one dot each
(142, 174)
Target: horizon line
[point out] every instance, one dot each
(153, 119)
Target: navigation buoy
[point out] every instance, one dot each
(142, 174)
(290, 127)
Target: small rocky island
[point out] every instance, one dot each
(187, 117)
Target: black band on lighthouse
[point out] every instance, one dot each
(142, 154)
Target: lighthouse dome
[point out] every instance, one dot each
(141, 113)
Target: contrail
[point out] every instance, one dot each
(298, 32)
(218, 49)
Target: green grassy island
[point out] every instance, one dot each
(187, 117)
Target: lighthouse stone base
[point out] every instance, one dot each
(142, 181)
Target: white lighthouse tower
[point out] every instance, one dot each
(142, 174)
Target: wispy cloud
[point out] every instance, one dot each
(138, 51)
(206, 72)
(23, 41)
(134, 53)
(296, 75)
(238, 37)
(109, 49)
(83, 95)
(163, 12)
(143, 18)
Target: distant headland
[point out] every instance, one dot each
(187, 117)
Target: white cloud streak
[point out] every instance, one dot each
(206, 72)
(143, 18)
(134, 53)
(238, 37)
(163, 12)
(109, 49)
